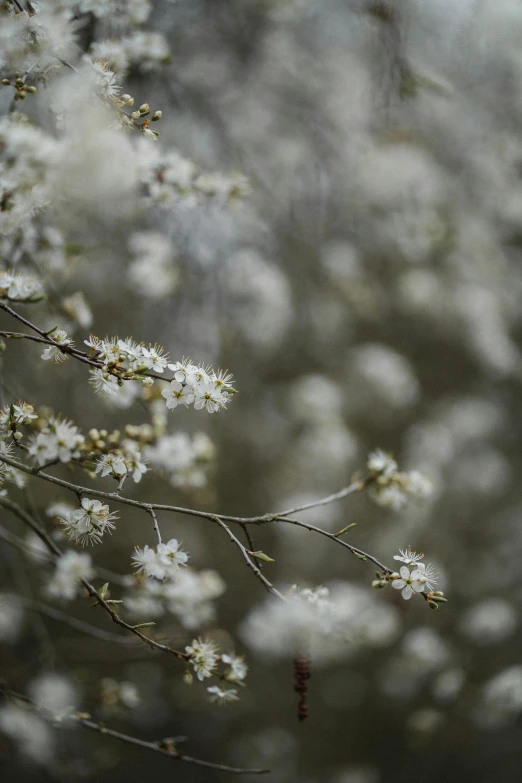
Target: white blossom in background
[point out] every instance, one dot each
(183, 458)
(238, 668)
(70, 569)
(152, 272)
(116, 694)
(60, 440)
(32, 735)
(204, 657)
(11, 618)
(501, 699)
(54, 692)
(331, 625)
(391, 488)
(489, 622)
(222, 695)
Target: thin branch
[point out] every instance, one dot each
(75, 353)
(78, 625)
(150, 509)
(243, 521)
(250, 563)
(91, 590)
(165, 747)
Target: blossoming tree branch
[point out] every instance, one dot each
(95, 469)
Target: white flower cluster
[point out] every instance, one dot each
(162, 562)
(71, 568)
(198, 385)
(176, 180)
(204, 657)
(191, 383)
(53, 351)
(189, 598)
(12, 416)
(184, 458)
(28, 159)
(20, 287)
(145, 50)
(126, 461)
(391, 488)
(87, 524)
(60, 440)
(123, 13)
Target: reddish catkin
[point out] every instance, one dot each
(302, 672)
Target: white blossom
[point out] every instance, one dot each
(70, 569)
(222, 696)
(238, 668)
(204, 657)
(53, 351)
(60, 440)
(409, 583)
(87, 524)
(163, 562)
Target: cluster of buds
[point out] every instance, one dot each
(21, 89)
(433, 599)
(141, 118)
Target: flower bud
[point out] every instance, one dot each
(144, 108)
(378, 583)
(433, 604)
(17, 435)
(147, 382)
(31, 89)
(6, 81)
(135, 115)
(188, 679)
(157, 116)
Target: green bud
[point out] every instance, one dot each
(6, 81)
(143, 625)
(261, 556)
(378, 583)
(359, 557)
(433, 604)
(345, 529)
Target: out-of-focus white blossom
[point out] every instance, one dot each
(11, 618)
(238, 668)
(152, 272)
(331, 626)
(70, 569)
(32, 735)
(60, 440)
(489, 622)
(222, 695)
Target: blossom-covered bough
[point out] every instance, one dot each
(303, 622)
